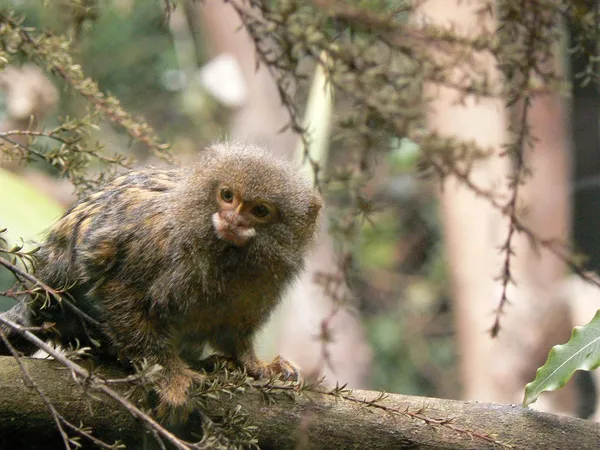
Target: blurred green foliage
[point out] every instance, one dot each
(402, 280)
(128, 52)
(127, 48)
(124, 48)
(31, 213)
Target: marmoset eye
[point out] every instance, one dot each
(261, 211)
(226, 195)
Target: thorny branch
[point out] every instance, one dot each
(69, 157)
(50, 51)
(537, 47)
(93, 381)
(380, 88)
(30, 383)
(58, 418)
(57, 295)
(87, 379)
(418, 415)
(376, 403)
(57, 134)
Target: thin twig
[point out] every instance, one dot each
(56, 294)
(96, 383)
(55, 415)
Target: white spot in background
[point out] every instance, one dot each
(223, 78)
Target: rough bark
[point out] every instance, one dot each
(473, 229)
(312, 420)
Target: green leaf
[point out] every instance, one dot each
(582, 352)
(27, 212)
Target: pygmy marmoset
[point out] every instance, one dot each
(165, 259)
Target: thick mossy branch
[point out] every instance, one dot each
(285, 419)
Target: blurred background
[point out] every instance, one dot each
(401, 300)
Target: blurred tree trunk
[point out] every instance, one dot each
(29, 97)
(586, 142)
(584, 297)
(540, 315)
(259, 120)
(536, 317)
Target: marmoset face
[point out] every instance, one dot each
(237, 217)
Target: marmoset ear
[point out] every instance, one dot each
(315, 206)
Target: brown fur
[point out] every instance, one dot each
(143, 258)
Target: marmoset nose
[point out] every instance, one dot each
(236, 219)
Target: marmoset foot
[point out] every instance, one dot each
(173, 390)
(279, 366)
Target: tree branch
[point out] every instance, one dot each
(285, 419)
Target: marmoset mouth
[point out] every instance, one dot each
(238, 236)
